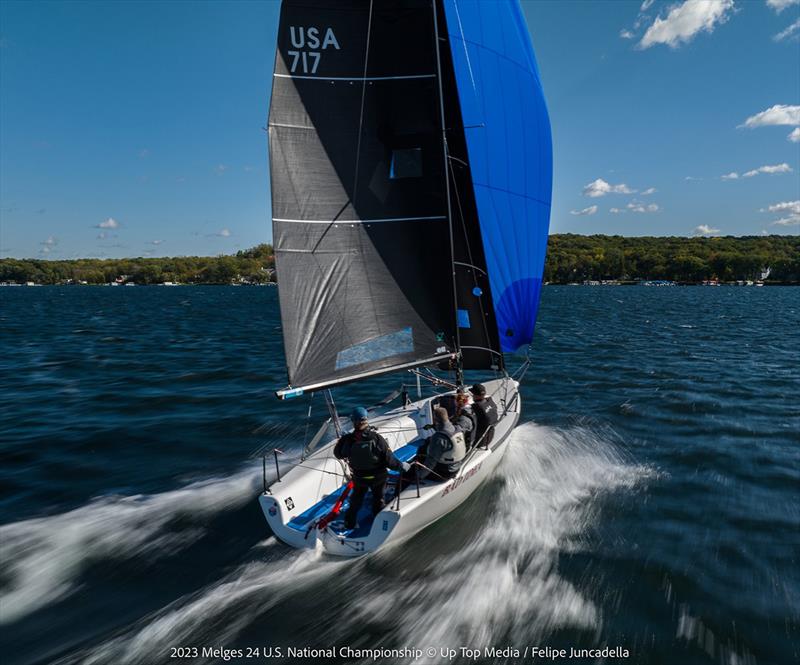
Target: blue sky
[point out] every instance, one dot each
(136, 129)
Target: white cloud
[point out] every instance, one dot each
(156, 242)
(110, 223)
(102, 235)
(224, 233)
(689, 177)
(616, 211)
(684, 21)
(780, 5)
(636, 206)
(792, 207)
(704, 230)
(780, 114)
(626, 34)
(591, 210)
(730, 176)
(794, 136)
(648, 191)
(646, 5)
(788, 32)
(770, 169)
(221, 168)
(48, 245)
(600, 188)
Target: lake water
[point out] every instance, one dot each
(650, 501)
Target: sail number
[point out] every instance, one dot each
(307, 44)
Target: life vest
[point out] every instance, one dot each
(364, 454)
(452, 448)
(485, 413)
(469, 437)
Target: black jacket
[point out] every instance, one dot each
(486, 416)
(374, 447)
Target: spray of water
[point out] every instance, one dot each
(44, 557)
(502, 581)
(220, 611)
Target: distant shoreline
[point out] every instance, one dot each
(571, 258)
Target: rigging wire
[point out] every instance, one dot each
(445, 157)
(354, 199)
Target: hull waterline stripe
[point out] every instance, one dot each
(357, 78)
(356, 221)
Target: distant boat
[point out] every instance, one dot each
(411, 169)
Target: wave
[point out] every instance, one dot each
(221, 611)
(44, 557)
(502, 581)
(505, 580)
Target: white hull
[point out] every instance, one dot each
(293, 505)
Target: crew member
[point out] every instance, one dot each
(369, 457)
(445, 449)
(464, 420)
(486, 415)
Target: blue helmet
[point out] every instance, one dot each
(359, 414)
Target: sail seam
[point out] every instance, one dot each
(357, 221)
(513, 193)
(357, 78)
(523, 67)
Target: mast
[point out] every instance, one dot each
(446, 162)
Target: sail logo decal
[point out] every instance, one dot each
(307, 44)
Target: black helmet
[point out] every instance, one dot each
(478, 389)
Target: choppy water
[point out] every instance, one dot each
(651, 501)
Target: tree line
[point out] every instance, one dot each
(254, 266)
(575, 258)
(570, 258)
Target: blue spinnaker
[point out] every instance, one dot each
(510, 153)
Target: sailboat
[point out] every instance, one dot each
(411, 177)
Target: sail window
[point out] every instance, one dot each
(406, 163)
(463, 318)
(376, 348)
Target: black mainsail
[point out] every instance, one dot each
(360, 212)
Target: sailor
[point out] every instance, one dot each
(369, 457)
(464, 420)
(486, 415)
(445, 449)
